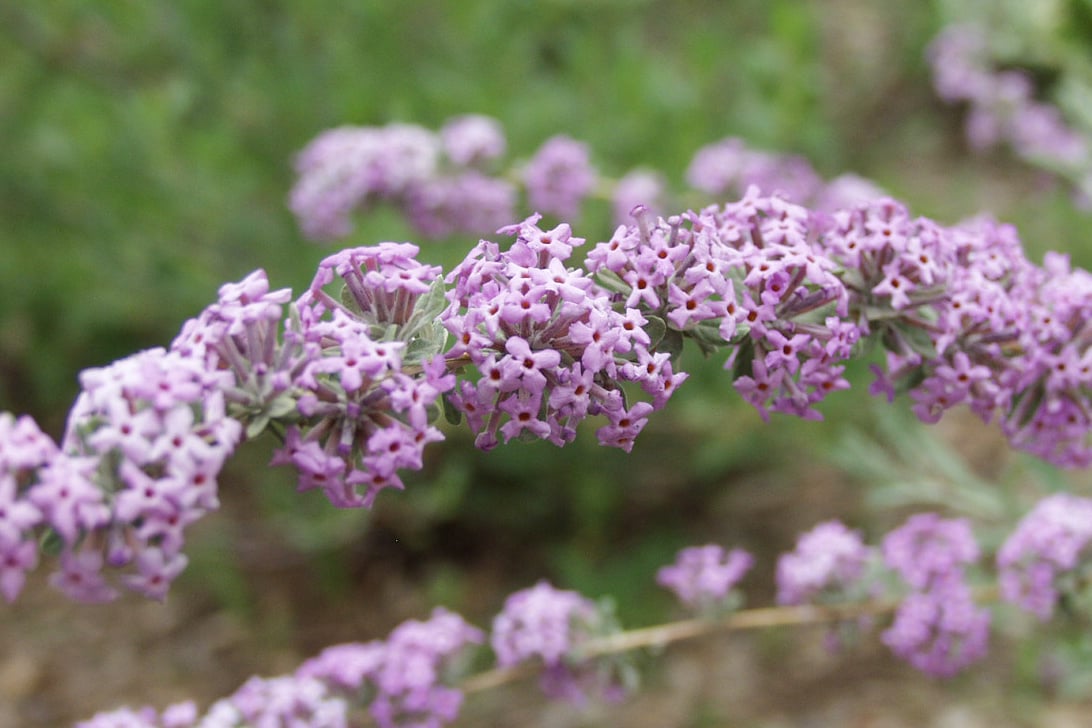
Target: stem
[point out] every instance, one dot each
(661, 635)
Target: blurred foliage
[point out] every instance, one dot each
(147, 152)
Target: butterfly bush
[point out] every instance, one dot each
(527, 341)
(411, 677)
(532, 334)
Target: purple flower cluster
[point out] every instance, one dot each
(449, 182)
(559, 177)
(703, 576)
(1043, 558)
(744, 275)
(548, 344)
(967, 319)
(366, 408)
(404, 673)
(1048, 385)
(1002, 106)
(440, 181)
(548, 624)
(401, 678)
(728, 167)
(145, 442)
(24, 452)
(829, 562)
(938, 628)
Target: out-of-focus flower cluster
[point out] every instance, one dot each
(1045, 557)
(550, 626)
(401, 681)
(451, 182)
(1003, 108)
(729, 167)
(441, 181)
(703, 577)
(938, 628)
(829, 564)
(412, 678)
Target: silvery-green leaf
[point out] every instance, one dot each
(257, 425)
(610, 280)
(431, 304)
(282, 406)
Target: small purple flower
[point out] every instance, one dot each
(703, 576)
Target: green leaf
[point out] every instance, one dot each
(451, 412)
(349, 302)
(655, 328)
(610, 280)
(672, 343)
(257, 425)
(431, 305)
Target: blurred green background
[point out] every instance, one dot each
(146, 159)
